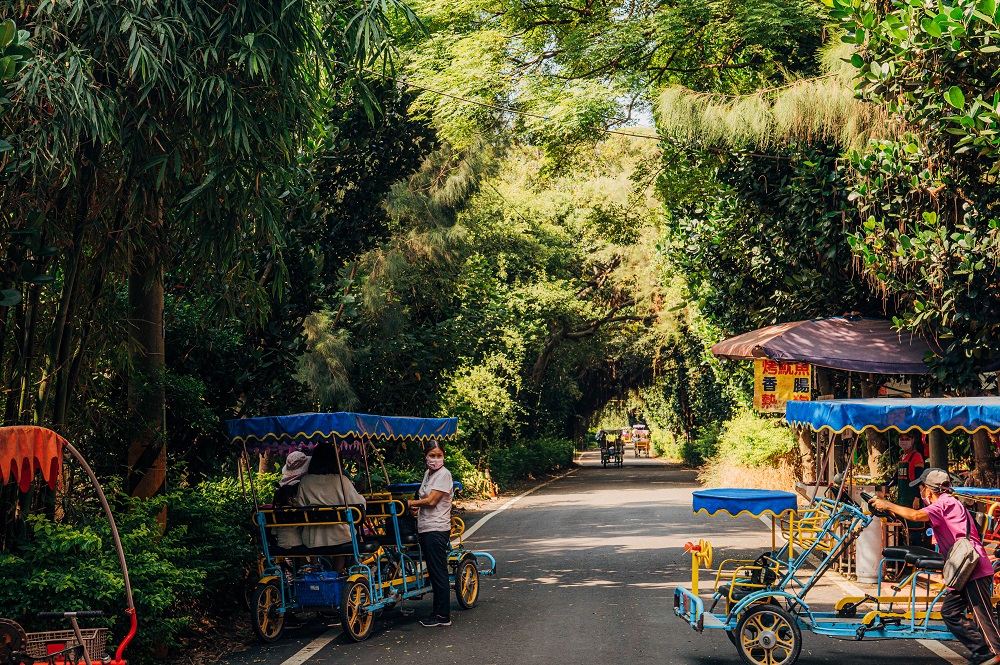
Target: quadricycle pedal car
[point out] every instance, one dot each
(384, 565)
(612, 448)
(761, 604)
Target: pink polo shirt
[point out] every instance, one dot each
(950, 521)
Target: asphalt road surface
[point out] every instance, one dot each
(587, 565)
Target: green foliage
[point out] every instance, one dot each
(754, 441)
(542, 58)
(195, 568)
(928, 200)
(523, 458)
(474, 481)
(484, 402)
(14, 55)
(500, 287)
(770, 245)
(704, 446)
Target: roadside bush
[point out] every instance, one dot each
(475, 484)
(196, 567)
(754, 441)
(752, 451)
(519, 460)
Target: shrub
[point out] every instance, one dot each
(521, 459)
(752, 451)
(753, 441)
(196, 566)
(474, 482)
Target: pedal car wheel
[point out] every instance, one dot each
(467, 583)
(354, 615)
(265, 615)
(12, 636)
(768, 635)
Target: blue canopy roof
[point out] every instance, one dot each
(305, 430)
(735, 502)
(974, 492)
(967, 414)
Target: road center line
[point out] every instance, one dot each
(311, 649)
(937, 647)
(944, 651)
(475, 527)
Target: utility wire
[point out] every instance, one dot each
(495, 107)
(507, 109)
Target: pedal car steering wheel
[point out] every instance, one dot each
(885, 514)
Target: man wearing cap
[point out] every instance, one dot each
(950, 520)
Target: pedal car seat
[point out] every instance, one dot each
(930, 563)
(918, 558)
(740, 593)
(902, 551)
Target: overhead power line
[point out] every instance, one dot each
(507, 109)
(496, 107)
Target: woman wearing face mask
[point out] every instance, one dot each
(433, 510)
(911, 465)
(909, 468)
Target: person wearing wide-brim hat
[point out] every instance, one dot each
(950, 520)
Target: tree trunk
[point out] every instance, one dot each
(982, 445)
(939, 449)
(147, 453)
(266, 463)
(877, 442)
(806, 455)
(28, 356)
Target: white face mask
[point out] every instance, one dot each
(906, 444)
(434, 463)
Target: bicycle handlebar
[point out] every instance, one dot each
(83, 614)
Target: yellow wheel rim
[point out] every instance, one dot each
(359, 619)
(469, 583)
(768, 639)
(267, 615)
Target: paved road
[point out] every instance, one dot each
(587, 568)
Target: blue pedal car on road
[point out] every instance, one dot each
(384, 564)
(761, 603)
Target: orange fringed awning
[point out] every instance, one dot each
(27, 449)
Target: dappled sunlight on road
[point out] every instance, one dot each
(627, 543)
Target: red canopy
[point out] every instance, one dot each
(853, 344)
(27, 449)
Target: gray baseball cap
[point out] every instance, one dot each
(933, 478)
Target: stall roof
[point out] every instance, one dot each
(305, 430)
(966, 414)
(853, 344)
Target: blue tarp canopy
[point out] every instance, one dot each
(977, 492)
(735, 502)
(305, 430)
(966, 414)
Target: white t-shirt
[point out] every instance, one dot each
(437, 518)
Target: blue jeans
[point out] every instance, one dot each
(435, 546)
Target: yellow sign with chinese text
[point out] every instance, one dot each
(775, 383)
